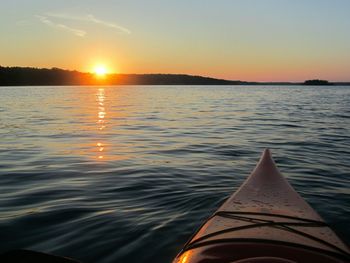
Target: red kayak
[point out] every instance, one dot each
(265, 220)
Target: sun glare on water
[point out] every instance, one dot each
(100, 70)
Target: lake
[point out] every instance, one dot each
(127, 173)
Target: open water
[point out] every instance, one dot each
(127, 174)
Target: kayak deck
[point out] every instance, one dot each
(266, 217)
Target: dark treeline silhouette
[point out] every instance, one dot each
(17, 76)
(26, 76)
(169, 79)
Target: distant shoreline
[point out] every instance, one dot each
(26, 76)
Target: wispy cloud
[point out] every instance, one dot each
(48, 22)
(91, 19)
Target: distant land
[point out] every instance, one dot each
(27, 76)
(317, 82)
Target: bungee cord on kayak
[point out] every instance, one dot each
(257, 222)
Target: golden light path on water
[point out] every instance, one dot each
(102, 109)
(101, 121)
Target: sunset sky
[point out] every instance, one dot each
(254, 40)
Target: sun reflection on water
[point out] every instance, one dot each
(101, 121)
(105, 119)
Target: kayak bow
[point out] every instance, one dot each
(265, 220)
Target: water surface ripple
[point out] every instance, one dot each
(126, 174)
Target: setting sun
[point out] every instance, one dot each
(100, 70)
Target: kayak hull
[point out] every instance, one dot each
(265, 219)
(259, 251)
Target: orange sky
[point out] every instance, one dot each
(238, 40)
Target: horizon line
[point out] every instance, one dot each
(187, 74)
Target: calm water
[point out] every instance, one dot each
(126, 174)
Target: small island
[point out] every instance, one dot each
(317, 82)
